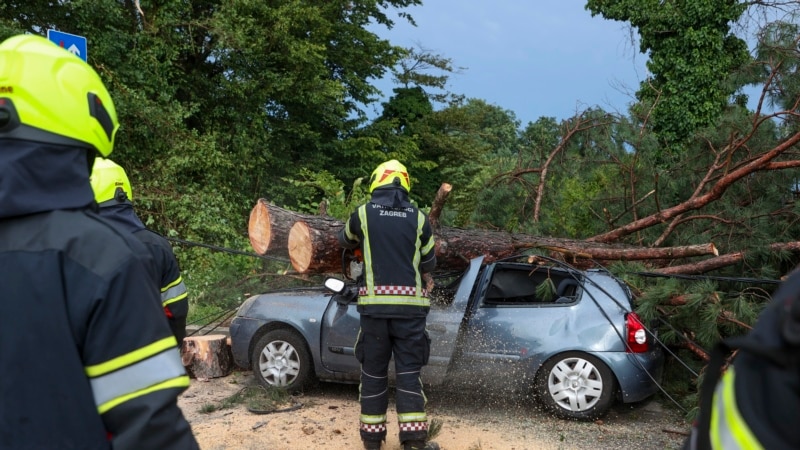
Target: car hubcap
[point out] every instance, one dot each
(575, 384)
(279, 363)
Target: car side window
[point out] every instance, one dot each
(521, 285)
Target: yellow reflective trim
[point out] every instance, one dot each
(366, 249)
(393, 300)
(728, 428)
(131, 358)
(373, 420)
(178, 382)
(350, 236)
(417, 254)
(173, 292)
(174, 283)
(412, 417)
(175, 299)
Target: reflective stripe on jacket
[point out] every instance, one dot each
(82, 301)
(173, 289)
(396, 243)
(729, 430)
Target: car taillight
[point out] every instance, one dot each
(636, 334)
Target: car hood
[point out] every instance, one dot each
(308, 300)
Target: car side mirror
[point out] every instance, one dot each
(334, 284)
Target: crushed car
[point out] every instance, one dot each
(568, 336)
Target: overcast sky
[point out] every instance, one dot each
(535, 58)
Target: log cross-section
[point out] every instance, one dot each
(268, 228)
(314, 245)
(207, 356)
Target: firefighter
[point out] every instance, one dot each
(397, 244)
(86, 358)
(113, 194)
(755, 403)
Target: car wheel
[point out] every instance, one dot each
(576, 385)
(280, 359)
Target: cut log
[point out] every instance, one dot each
(207, 356)
(314, 245)
(268, 228)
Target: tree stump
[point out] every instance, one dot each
(207, 356)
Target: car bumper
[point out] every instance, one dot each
(242, 331)
(638, 374)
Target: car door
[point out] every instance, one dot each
(510, 325)
(339, 330)
(340, 325)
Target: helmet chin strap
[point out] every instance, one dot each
(91, 154)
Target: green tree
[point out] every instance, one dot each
(691, 56)
(220, 102)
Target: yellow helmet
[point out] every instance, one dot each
(49, 95)
(386, 174)
(110, 183)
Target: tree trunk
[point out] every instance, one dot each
(207, 356)
(314, 246)
(268, 228)
(456, 246)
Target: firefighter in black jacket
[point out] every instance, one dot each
(113, 193)
(86, 358)
(755, 403)
(397, 244)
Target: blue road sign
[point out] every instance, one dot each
(71, 42)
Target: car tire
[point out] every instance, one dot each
(281, 359)
(575, 385)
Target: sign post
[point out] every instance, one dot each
(71, 42)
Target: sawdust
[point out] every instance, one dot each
(471, 420)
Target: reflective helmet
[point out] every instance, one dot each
(386, 174)
(110, 183)
(49, 95)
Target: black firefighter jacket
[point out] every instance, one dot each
(87, 360)
(174, 296)
(396, 240)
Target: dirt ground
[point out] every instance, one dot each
(471, 420)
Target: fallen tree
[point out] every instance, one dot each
(312, 245)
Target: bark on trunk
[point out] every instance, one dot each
(314, 246)
(438, 204)
(728, 259)
(268, 228)
(207, 356)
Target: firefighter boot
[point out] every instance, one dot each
(420, 445)
(372, 445)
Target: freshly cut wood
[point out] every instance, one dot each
(207, 356)
(268, 228)
(314, 245)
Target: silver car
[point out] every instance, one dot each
(571, 337)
